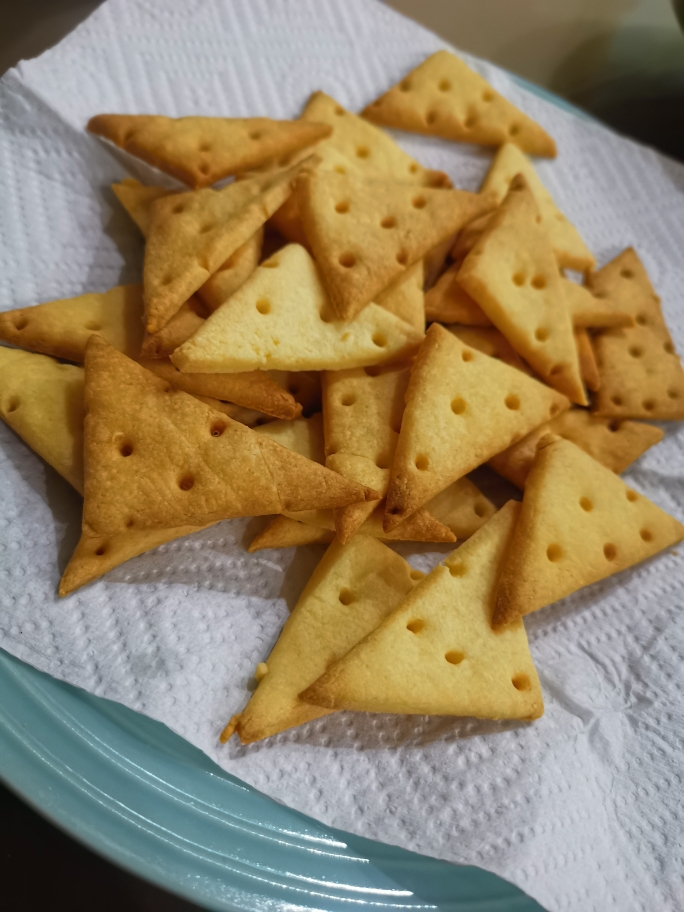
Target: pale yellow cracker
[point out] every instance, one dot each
(251, 390)
(444, 97)
(156, 458)
(353, 588)
(62, 328)
(512, 274)
(449, 302)
(286, 322)
(436, 653)
(579, 523)
(405, 299)
(641, 374)
(364, 234)
(570, 250)
(183, 324)
(491, 342)
(462, 407)
(590, 312)
(202, 150)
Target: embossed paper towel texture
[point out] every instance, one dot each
(580, 809)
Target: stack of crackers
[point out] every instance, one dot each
(274, 361)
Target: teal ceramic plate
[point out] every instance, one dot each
(138, 794)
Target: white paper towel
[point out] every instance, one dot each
(582, 809)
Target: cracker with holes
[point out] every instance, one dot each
(462, 407)
(354, 147)
(287, 322)
(444, 97)
(641, 374)
(252, 390)
(570, 250)
(62, 328)
(284, 532)
(305, 387)
(405, 299)
(492, 343)
(137, 200)
(512, 274)
(614, 443)
(203, 150)
(448, 302)
(351, 591)
(579, 523)
(191, 235)
(156, 457)
(436, 653)
(364, 234)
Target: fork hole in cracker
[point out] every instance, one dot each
(458, 569)
(538, 282)
(649, 404)
(263, 305)
(255, 134)
(347, 596)
(631, 495)
(383, 461)
(206, 228)
(339, 111)
(348, 399)
(13, 404)
(646, 535)
(402, 258)
(669, 348)
(616, 400)
(554, 553)
(541, 334)
(487, 95)
(614, 425)
(521, 682)
(217, 428)
(518, 279)
(555, 370)
(416, 625)
(167, 280)
(672, 393)
(466, 354)
(93, 326)
(413, 168)
(609, 551)
(586, 504)
(205, 147)
(389, 221)
(130, 522)
(422, 463)
(126, 449)
(454, 657)
(347, 260)
(342, 207)
(339, 169)
(186, 482)
(479, 510)
(204, 168)
(379, 340)
(431, 118)
(444, 85)
(470, 122)
(418, 202)
(362, 152)
(636, 351)
(21, 323)
(512, 402)
(102, 549)
(513, 130)
(417, 575)
(641, 319)
(626, 273)
(458, 405)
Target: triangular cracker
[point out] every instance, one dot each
(462, 407)
(641, 374)
(283, 532)
(492, 343)
(613, 443)
(156, 457)
(512, 274)
(570, 250)
(183, 324)
(191, 235)
(444, 97)
(42, 400)
(405, 299)
(202, 150)
(579, 523)
(286, 322)
(587, 361)
(252, 390)
(448, 302)
(137, 201)
(462, 507)
(353, 588)
(436, 653)
(590, 312)
(364, 234)
(303, 435)
(62, 328)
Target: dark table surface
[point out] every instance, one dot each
(41, 867)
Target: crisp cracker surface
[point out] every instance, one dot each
(579, 523)
(444, 97)
(448, 302)
(286, 322)
(353, 588)
(436, 653)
